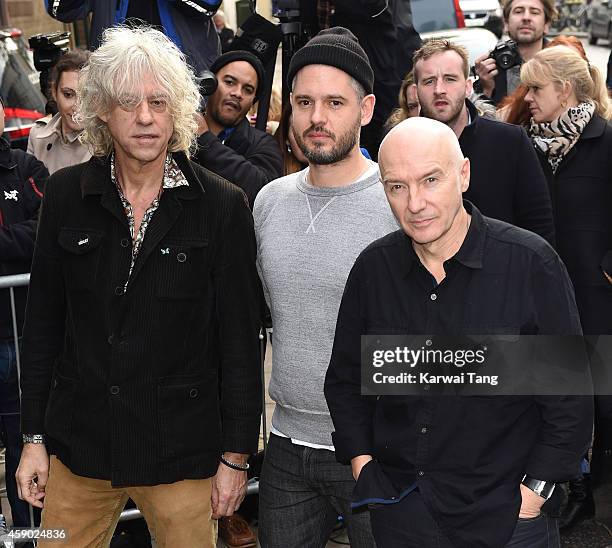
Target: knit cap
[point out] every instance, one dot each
(241, 55)
(337, 47)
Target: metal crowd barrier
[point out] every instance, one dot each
(20, 280)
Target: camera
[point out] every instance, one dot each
(207, 84)
(506, 55)
(48, 48)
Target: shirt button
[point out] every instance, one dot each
(424, 430)
(111, 339)
(433, 296)
(426, 387)
(181, 257)
(193, 393)
(421, 473)
(125, 242)
(119, 290)
(114, 390)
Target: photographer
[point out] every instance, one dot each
(526, 21)
(227, 144)
(186, 23)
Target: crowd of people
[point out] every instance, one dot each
(160, 236)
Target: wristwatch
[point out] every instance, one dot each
(33, 438)
(541, 488)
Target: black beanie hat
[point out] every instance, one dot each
(337, 47)
(241, 55)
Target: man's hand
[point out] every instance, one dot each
(357, 463)
(32, 473)
(228, 487)
(486, 69)
(530, 504)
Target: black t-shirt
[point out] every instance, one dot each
(145, 10)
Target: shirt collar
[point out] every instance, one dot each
(173, 176)
(470, 253)
(225, 134)
(54, 125)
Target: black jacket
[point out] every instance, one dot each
(22, 181)
(467, 451)
(249, 158)
(125, 384)
(506, 178)
(581, 191)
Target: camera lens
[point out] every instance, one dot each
(505, 61)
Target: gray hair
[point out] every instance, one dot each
(112, 78)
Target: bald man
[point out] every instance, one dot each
(473, 471)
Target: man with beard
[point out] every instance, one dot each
(526, 21)
(310, 227)
(228, 145)
(507, 181)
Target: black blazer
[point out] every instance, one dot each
(506, 179)
(125, 384)
(581, 191)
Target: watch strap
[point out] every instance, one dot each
(541, 488)
(33, 438)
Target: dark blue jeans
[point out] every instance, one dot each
(408, 524)
(10, 431)
(302, 491)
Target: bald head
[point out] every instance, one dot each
(423, 136)
(424, 174)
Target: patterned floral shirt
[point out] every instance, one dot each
(173, 178)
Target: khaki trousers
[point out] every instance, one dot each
(178, 514)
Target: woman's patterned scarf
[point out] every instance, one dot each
(555, 139)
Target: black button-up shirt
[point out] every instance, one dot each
(467, 455)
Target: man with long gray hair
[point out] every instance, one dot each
(143, 289)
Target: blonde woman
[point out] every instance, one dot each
(569, 126)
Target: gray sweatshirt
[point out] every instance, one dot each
(307, 241)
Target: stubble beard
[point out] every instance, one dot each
(451, 119)
(340, 150)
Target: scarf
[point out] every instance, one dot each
(555, 139)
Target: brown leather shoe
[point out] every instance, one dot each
(236, 533)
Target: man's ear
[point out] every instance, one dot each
(465, 175)
(469, 87)
(367, 109)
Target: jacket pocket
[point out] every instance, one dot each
(189, 415)
(81, 258)
(60, 409)
(183, 267)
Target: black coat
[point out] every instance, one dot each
(22, 182)
(506, 178)
(581, 191)
(249, 158)
(125, 384)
